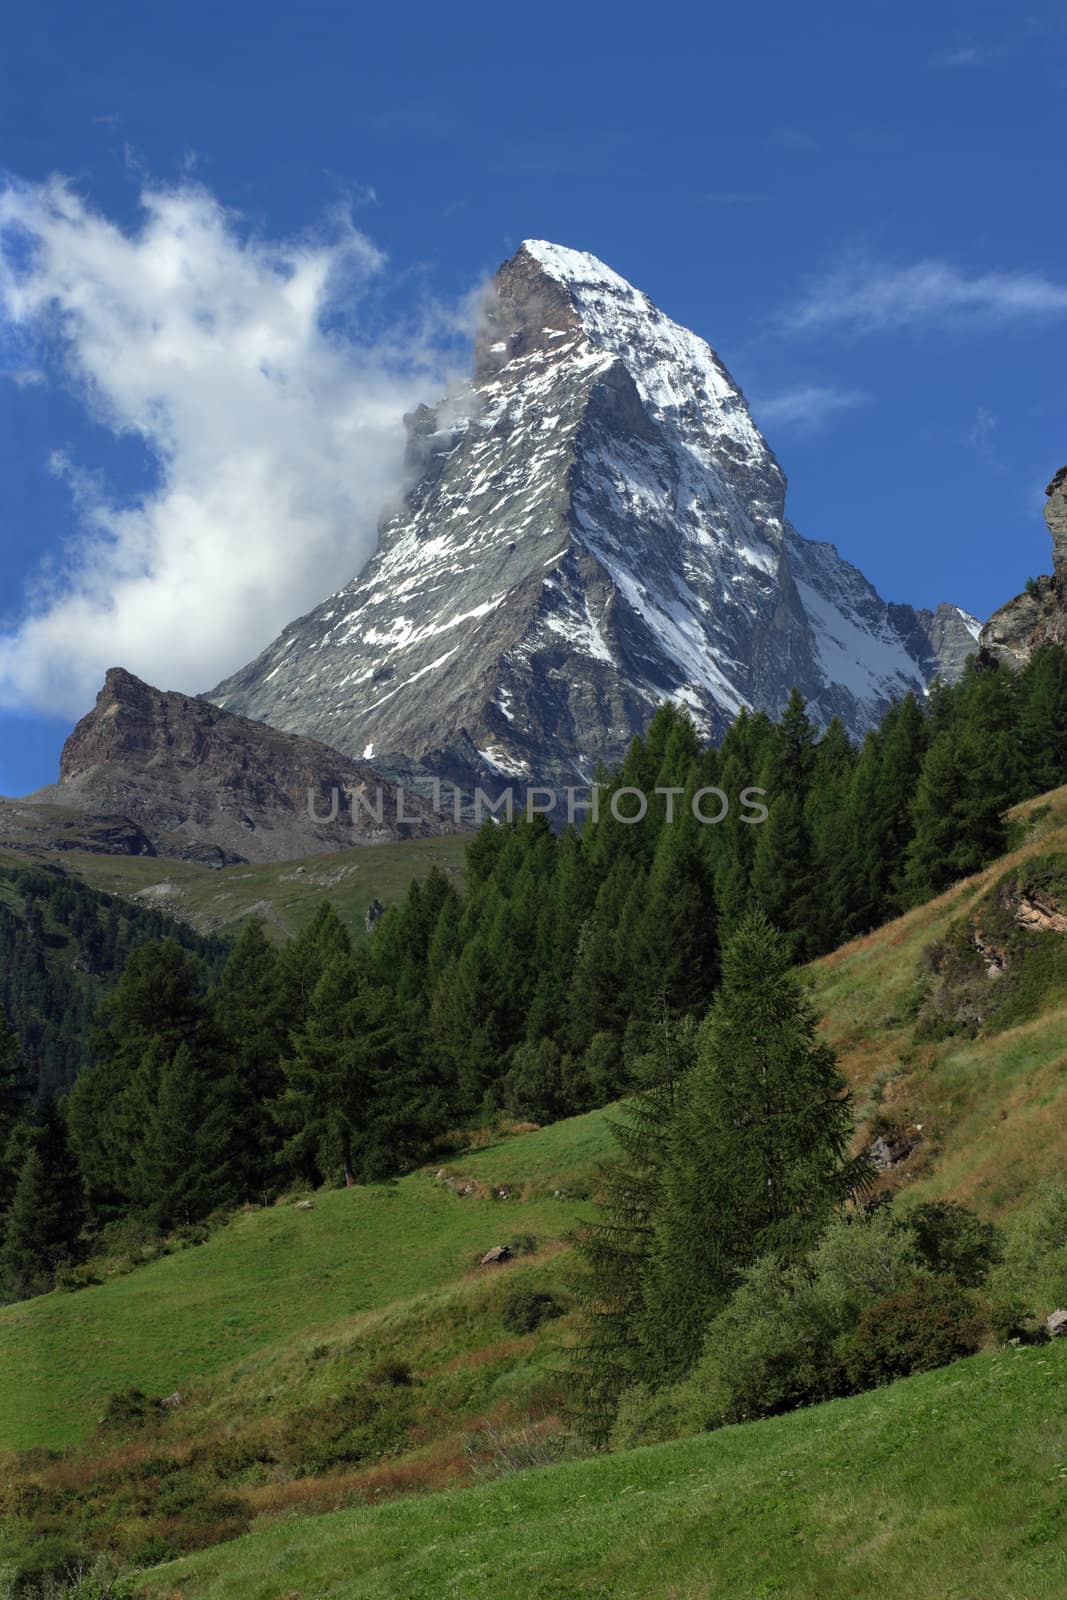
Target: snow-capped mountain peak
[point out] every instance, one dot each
(595, 525)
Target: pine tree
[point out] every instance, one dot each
(251, 1022)
(758, 1149)
(957, 813)
(1043, 719)
(158, 1006)
(783, 870)
(13, 1115)
(359, 1099)
(615, 1252)
(188, 1166)
(47, 1213)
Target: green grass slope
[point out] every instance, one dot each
(991, 1099)
(268, 1277)
(953, 1484)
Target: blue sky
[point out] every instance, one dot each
(860, 207)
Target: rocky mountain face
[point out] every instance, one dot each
(1039, 616)
(595, 526)
(177, 776)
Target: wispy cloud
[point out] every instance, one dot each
(871, 297)
(957, 57)
(265, 393)
(806, 409)
(981, 433)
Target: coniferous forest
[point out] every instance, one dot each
(537, 991)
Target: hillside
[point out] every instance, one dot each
(188, 1316)
(944, 1485)
(284, 895)
(63, 946)
(287, 1315)
(990, 1094)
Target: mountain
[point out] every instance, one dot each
(159, 773)
(1039, 616)
(595, 525)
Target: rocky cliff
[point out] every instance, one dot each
(1039, 616)
(199, 783)
(595, 526)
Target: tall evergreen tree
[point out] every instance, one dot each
(252, 1023)
(47, 1213)
(158, 1006)
(615, 1252)
(758, 1149)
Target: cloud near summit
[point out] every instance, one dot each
(256, 375)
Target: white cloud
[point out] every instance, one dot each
(806, 408)
(272, 417)
(872, 297)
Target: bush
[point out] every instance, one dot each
(646, 1416)
(361, 1424)
(71, 1278)
(953, 1242)
(772, 1348)
(1010, 1319)
(525, 1309)
(56, 1570)
(523, 1244)
(129, 1408)
(929, 1324)
(391, 1373)
(1034, 1270)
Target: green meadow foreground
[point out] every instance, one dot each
(953, 1484)
(273, 1275)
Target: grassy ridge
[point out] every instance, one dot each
(952, 1485)
(284, 894)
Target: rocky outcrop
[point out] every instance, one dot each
(199, 783)
(1038, 616)
(595, 526)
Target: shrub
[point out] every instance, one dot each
(862, 1257)
(523, 1244)
(52, 1567)
(129, 1408)
(646, 1416)
(71, 1278)
(770, 1349)
(361, 1424)
(392, 1373)
(1034, 1269)
(525, 1309)
(1009, 1319)
(929, 1324)
(954, 1242)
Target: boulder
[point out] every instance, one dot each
(497, 1256)
(1056, 1323)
